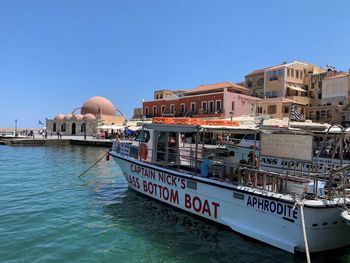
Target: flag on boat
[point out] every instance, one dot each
(294, 114)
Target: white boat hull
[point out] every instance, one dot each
(267, 217)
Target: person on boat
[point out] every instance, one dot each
(206, 164)
(253, 160)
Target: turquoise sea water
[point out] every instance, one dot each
(49, 214)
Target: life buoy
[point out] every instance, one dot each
(143, 152)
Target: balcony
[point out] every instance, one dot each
(300, 99)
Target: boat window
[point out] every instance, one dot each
(142, 136)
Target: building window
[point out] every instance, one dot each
(218, 106)
(329, 113)
(172, 108)
(146, 111)
(260, 82)
(288, 72)
(204, 106)
(193, 106)
(63, 127)
(297, 73)
(259, 109)
(161, 96)
(54, 126)
(285, 109)
(233, 106)
(162, 108)
(157, 96)
(211, 106)
(154, 110)
(182, 107)
(301, 74)
(272, 109)
(249, 84)
(74, 128)
(292, 73)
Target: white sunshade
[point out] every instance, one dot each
(104, 127)
(110, 127)
(134, 128)
(296, 88)
(117, 127)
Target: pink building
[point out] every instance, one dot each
(219, 100)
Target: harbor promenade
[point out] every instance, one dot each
(54, 140)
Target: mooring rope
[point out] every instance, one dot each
(93, 164)
(301, 204)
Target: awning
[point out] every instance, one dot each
(104, 127)
(117, 127)
(296, 88)
(134, 128)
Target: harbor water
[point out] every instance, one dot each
(50, 214)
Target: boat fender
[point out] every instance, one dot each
(107, 157)
(143, 151)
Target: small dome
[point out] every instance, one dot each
(59, 117)
(79, 116)
(68, 116)
(89, 116)
(98, 104)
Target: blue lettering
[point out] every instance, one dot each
(266, 205)
(272, 207)
(249, 202)
(295, 213)
(255, 201)
(279, 208)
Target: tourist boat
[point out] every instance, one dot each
(328, 142)
(294, 212)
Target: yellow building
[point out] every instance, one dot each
(278, 108)
(288, 80)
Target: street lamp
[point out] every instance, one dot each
(16, 128)
(84, 129)
(231, 114)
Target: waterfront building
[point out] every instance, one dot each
(279, 108)
(331, 98)
(288, 80)
(219, 100)
(94, 112)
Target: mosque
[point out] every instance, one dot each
(95, 112)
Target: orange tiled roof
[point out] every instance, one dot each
(340, 75)
(217, 86)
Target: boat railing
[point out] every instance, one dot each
(187, 158)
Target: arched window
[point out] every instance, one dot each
(63, 127)
(83, 128)
(74, 128)
(54, 126)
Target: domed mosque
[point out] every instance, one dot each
(95, 112)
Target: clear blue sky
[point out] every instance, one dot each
(56, 54)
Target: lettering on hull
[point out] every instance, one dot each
(287, 211)
(170, 189)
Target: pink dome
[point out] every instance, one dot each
(89, 116)
(68, 116)
(59, 117)
(98, 104)
(79, 116)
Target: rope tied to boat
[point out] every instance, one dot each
(301, 205)
(105, 155)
